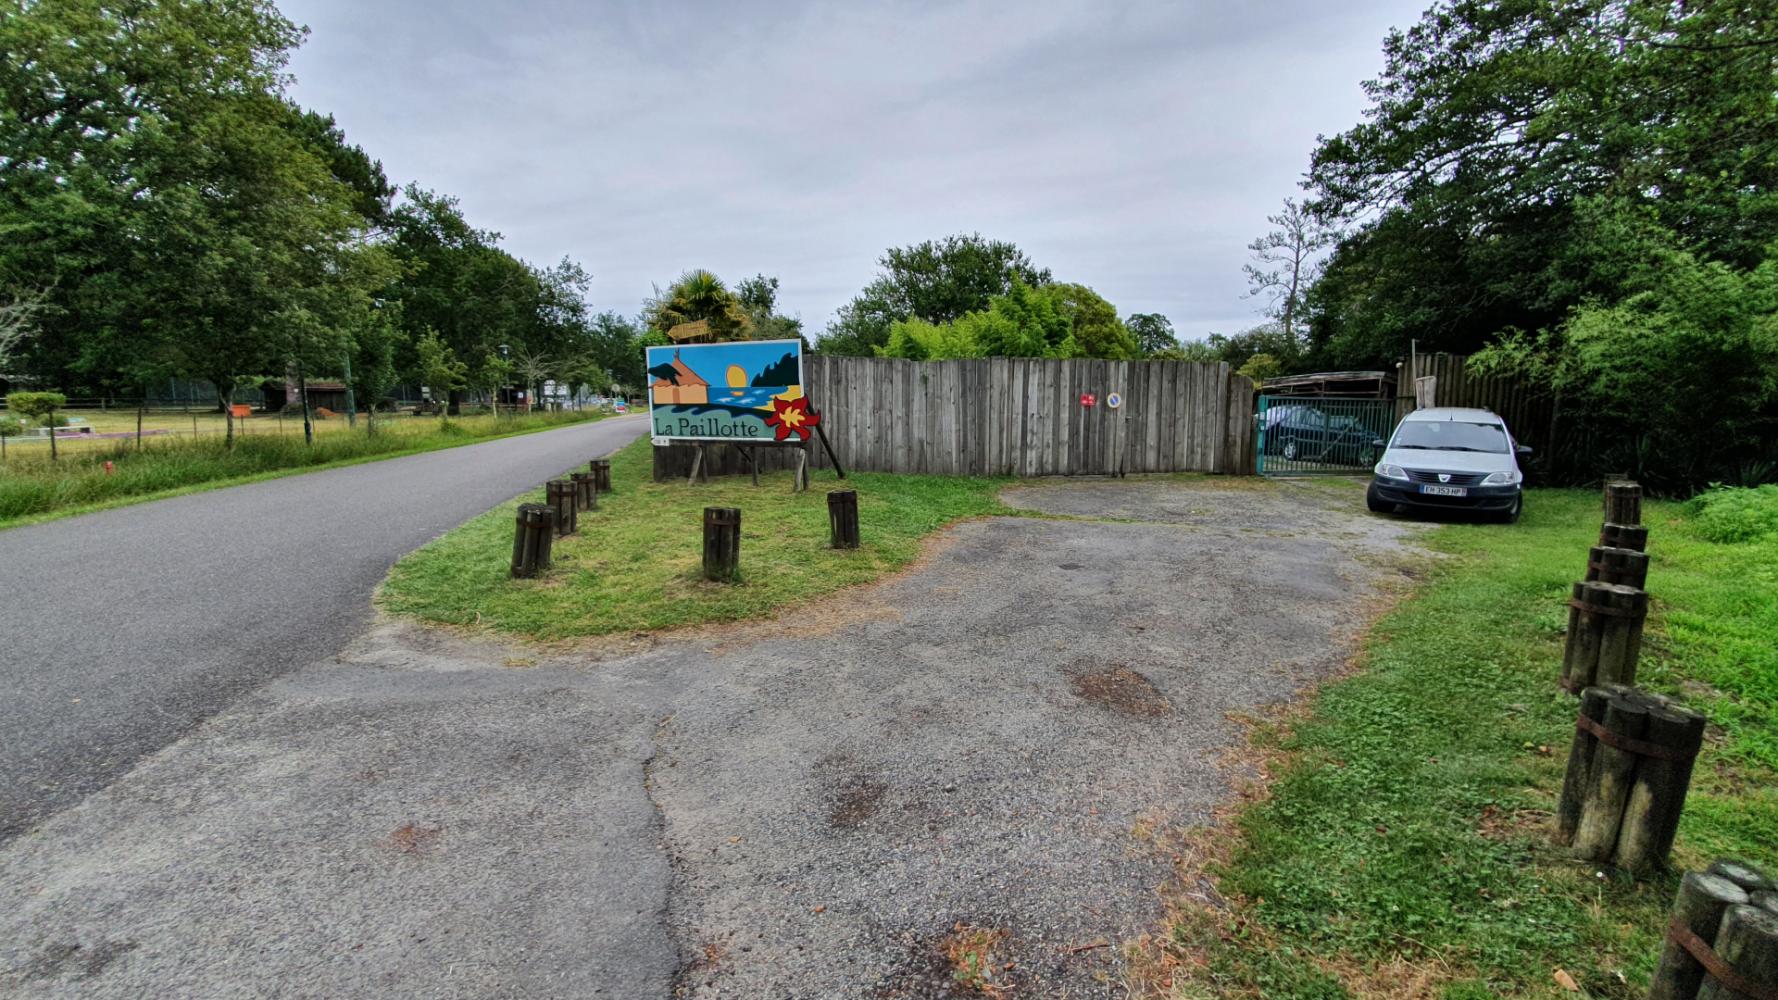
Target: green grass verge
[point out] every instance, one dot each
(634, 565)
(1402, 850)
(36, 490)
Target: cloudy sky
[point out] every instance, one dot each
(1135, 148)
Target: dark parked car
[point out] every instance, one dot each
(1299, 433)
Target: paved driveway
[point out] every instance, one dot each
(122, 630)
(805, 807)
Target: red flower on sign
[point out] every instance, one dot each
(792, 416)
(1088, 399)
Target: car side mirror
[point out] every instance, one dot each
(1524, 449)
(1377, 442)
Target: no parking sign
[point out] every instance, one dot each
(1114, 400)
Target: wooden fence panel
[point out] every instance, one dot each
(1018, 416)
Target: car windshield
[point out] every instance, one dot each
(1451, 435)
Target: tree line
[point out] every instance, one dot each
(1580, 194)
(166, 210)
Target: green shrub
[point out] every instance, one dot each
(1735, 514)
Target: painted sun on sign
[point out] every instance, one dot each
(728, 392)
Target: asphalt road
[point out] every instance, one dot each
(1010, 736)
(122, 630)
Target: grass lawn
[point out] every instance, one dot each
(1401, 849)
(33, 488)
(635, 563)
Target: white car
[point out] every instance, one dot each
(1451, 458)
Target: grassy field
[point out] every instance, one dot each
(1401, 848)
(33, 488)
(634, 565)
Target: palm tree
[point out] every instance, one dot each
(700, 295)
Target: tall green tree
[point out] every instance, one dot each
(1153, 332)
(937, 281)
(1493, 123)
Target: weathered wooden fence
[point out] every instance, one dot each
(1016, 416)
(1528, 413)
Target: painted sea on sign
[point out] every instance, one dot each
(721, 392)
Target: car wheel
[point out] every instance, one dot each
(1290, 451)
(1512, 516)
(1376, 503)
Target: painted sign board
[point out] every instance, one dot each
(725, 392)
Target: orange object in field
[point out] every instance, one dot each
(109, 468)
(241, 410)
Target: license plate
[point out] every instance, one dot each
(1444, 491)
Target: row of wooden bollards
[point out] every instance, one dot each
(1630, 762)
(1606, 611)
(722, 534)
(539, 524)
(1722, 937)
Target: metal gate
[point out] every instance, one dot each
(1321, 435)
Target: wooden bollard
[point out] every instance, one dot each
(1746, 942)
(1651, 816)
(1742, 874)
(1623, 502)
(842, 518)
(722, 544)
(536, 527)
(601, 470)
(586, 491)
(1581, 752)
(560, 496)
(1623, 536)
(1628, 771)
(1697, 909)
(1604, 640)
(1608, 788)
(1625, 567)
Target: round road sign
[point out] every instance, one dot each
(1114, 400)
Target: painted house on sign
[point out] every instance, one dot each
(679, 387)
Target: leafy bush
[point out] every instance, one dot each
(1735, 514)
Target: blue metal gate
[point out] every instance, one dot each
(1321, 435)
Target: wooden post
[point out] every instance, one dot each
(1604, 635)
(1651, 816)
(1602, 806)
(1426, 392)
(1623, 536)
(1747, 942)
(1742, 874)
(697, 465)
(1698, 908)
(601, 470)
(842, 518)
(531, 540)
(1580, 764)
(560, 495)
(1620, 640)
(1627, 567)
(586, 490)
(801, 483)
(722, 544)
(1623, 502)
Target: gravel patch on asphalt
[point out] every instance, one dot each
(801, 808)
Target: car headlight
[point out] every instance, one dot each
(1392, 472)
(1502, 479)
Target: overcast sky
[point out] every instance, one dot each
(1132, 148)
